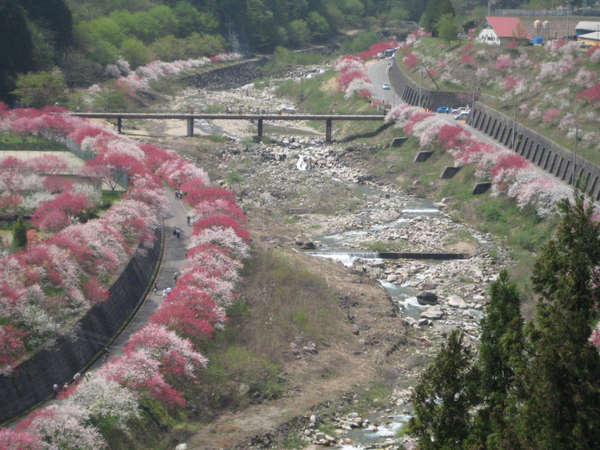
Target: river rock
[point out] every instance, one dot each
(427, 298)
(433, 312)
(456, 302)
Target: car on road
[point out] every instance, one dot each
(464, 115)
(385, 86)
(459, 109)
(443, 109)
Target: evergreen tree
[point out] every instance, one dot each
(444, 396)
(500, 359)
(19, 238)
(446, 27)
(16, 46)
(561, 405)
(433, 11)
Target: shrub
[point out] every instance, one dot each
(40, 88)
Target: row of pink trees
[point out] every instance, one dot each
(53, 281)
(159, 357)
(510, 173)
(353, 77)
(141, 78)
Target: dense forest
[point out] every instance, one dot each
(74, 43)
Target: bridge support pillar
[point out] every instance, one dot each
(328, 131)
(119, 124)
(190, 127)
(260, 129)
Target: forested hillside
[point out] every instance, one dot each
(71, 43)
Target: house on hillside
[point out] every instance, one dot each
(501, 30)
(589, 38)
(586, 27)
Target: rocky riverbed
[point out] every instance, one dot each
(323, 201)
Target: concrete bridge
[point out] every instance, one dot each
(259, 118)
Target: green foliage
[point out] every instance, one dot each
(112, 98)
(443, 397)
(243, 366)
(560, 405)
(19, 238)
(447, 28)
(168, 47)
(233, 177)
(433, 11)
(40, 88)
(360, 43)
(135, 52)
(319, 28)
(13, 28)
(14, 141)
(284, 58)
(298, 33)
(500, 359)
(190, 20)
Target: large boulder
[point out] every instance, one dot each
(433, 312)
(457, 302)
(427, 298)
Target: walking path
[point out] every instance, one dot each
(173, 260)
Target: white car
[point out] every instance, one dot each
(385, 87)
(464, 115)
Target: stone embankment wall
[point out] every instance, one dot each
(539, 150)
(31, 382)
(227, 77)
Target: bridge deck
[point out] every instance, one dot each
(271, 116)
(259, 117)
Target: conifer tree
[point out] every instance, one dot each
(500, 359)
(561, 405)
(444, 396)
(19, 233)
(433, 11)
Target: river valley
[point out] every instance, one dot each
(322, 206)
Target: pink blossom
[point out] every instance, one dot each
(503, 63)
(551, 115)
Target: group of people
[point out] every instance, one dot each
(178, 194)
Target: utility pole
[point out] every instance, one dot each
(575, 153)
(514, 133)
(420, 83)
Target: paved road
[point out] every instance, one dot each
(378, 73)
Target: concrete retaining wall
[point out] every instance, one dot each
(536, 148)
(409, 91)
(31, 382)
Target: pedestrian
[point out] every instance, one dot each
(76, 377)
(55, 389)
(66, 386)
(189, 219)
(175, 276)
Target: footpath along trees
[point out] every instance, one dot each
(57, 277)
(536, 386)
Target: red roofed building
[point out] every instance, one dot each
(503, 30)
